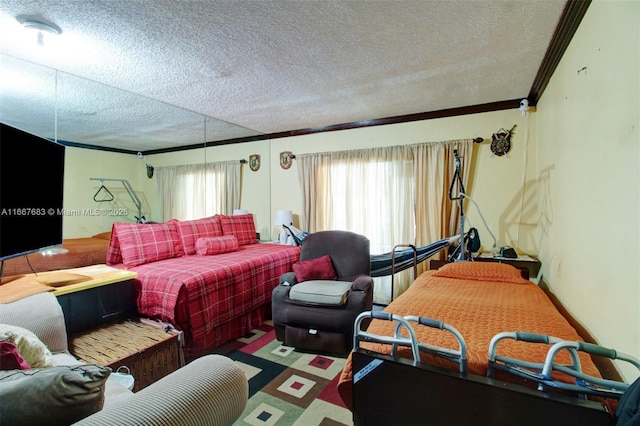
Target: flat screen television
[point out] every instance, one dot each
(31, 192)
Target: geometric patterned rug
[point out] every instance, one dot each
(287, 387)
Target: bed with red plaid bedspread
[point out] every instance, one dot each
(206, 295)
(212, 298)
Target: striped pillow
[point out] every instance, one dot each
(191, 230)
(241, 227)
(148, 242)
(216, 245)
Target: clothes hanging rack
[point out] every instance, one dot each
(127, 187)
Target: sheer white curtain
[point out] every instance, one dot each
(363, 191)
(393, 195)
(198, 190)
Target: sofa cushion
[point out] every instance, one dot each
(29, 346)
(191, 230)
(241, 226)
(321, 292)
(52, 396)
(10, 358)
(148, 242)
(320, 268)
(216, 245)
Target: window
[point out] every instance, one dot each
(199, 190)
(393, 195)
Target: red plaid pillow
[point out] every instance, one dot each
(216, 245)
(148, 242)
(241, 227)
(191, 230)
(114, 257)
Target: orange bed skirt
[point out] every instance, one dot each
(480, 300)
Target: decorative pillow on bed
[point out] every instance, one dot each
(216, 245)
(481, 271)
(241, 226)
(191, 230)
(320, 268)
(52, 396)
(142, 243)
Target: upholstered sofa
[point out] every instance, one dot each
(210, 390)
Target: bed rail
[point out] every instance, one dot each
(393, 264)
(398, 339)
(541, 373)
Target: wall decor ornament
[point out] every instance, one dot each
(501, 141)
(286, 158)
(254, 162)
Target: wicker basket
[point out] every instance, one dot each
(148, 351)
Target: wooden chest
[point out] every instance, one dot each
(149, 351)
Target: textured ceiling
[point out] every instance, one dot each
(271, 66)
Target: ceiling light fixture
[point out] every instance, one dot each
(41, 27)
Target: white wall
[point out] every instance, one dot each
(588, 162)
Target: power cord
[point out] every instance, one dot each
(524, 172)
(495, 243)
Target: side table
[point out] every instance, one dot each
(522, 262)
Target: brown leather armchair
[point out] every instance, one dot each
(318, 315)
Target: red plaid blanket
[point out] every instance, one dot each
(199, 293)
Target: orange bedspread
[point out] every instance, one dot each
(480, 300)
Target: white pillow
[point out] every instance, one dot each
(29, 346)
